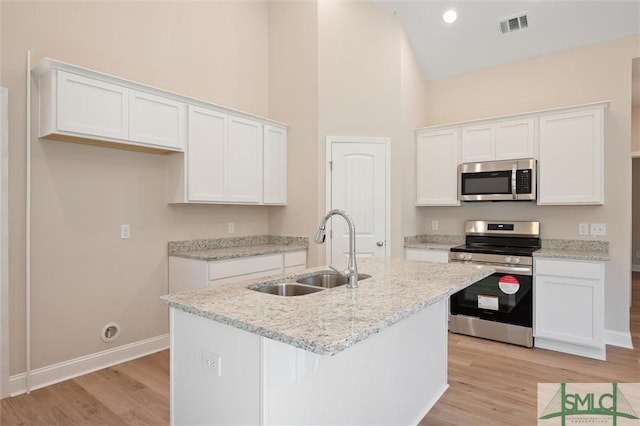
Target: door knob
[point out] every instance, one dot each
(380, 243)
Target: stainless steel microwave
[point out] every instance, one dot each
(509, 180)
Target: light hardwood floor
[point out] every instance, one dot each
(490, 384)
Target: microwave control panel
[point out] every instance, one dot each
(523, 181)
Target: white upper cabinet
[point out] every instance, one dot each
(498, 140)
(84, 107)
(156, 120)
(436, 167)
(221, 156)
(244, 165)
(275, 165)
(206, 168)
(229, 160)
(571, 150)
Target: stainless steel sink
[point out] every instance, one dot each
(328, 279)
(287, 289)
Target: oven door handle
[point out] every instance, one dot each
(513, 181)
(520, 270)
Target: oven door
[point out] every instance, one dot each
(501, 297)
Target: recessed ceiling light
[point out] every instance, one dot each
(450, 16)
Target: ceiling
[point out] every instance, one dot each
(475, 41)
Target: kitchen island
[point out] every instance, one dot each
(372, 355)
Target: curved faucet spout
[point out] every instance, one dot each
(352, 269)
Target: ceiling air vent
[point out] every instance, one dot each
(513, 23)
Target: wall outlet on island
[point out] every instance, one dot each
(211, 362)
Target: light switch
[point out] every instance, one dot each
(125, 231)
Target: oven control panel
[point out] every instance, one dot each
(490, 258)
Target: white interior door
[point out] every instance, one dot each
(359, 184)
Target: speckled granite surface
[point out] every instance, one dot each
(229, 248)
(332, 320)
(551, 248)
(574, 249)
(433, 241)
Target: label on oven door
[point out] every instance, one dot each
(487, 302)
(509, 284)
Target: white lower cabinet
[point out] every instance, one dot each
(569, 306)
(439, 256)
(192, 274)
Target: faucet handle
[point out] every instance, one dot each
(345, 272)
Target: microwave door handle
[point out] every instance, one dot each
(513, 181)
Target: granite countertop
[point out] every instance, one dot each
(332, 320)
(236, 247)
(550, 248)
(433, 242)
(574, 249)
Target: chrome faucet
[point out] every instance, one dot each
(352, 270)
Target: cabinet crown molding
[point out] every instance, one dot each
(49, 64)
(537, 113)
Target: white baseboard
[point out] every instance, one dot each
(56, 373)
(618, 338)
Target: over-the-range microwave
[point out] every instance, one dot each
(508, 180)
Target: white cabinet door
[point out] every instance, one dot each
(570, 168)
(230, 270)
(91, 107)
(569, 306)
(206, 155)
(275, 165)
(477, 143)
(192, 274)
(498, 140)
(244, 165)
(156, 120)
(515, 139)
(436, 167)
(295, 261)
(427, 255)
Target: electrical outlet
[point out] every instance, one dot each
(434, 225)
(125, 231)
(598, 229)
(583, 229)
(211, 362)
(232, 227)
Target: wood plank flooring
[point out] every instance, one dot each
(491, 384)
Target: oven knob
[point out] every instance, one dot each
(468, 257)
(516, 260)
(460, 256)
(507, 259)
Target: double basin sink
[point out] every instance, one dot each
(306, 285)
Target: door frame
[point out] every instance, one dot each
(4, 243)
(386, 141)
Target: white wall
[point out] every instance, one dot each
(596, 73)
(83, 275)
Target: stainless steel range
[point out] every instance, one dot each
(500, 306)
